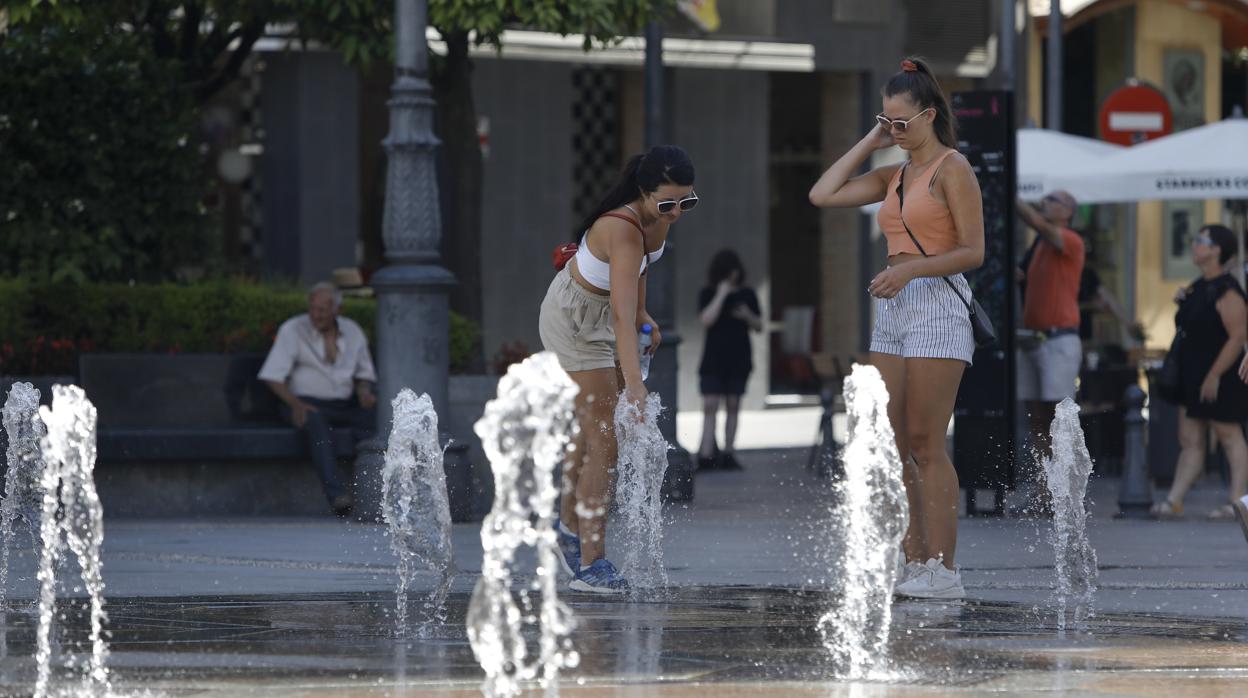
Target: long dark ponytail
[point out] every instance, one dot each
(644, 173)
(921, 87)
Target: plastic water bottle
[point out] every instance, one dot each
(644, 340)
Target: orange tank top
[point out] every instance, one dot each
(929, 220)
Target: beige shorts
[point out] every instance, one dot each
(576, 325)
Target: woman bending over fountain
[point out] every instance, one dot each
(590, 319)
(932, 217)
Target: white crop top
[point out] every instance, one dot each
(598, 272)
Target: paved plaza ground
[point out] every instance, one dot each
(302, 607)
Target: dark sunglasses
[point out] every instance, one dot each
(685, 204)
(1057, 200)
(898, 125)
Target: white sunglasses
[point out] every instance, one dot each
(898, 125)
(685, 204)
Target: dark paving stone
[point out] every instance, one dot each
(726, 637)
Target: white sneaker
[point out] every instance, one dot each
(933, 581)
(907, 571)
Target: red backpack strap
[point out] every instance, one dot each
(645, 254)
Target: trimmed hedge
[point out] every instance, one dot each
(43, 328)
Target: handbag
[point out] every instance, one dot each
(1168, 385)
(981, 327)
(565, 252)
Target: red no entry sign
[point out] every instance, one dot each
(1135, 113)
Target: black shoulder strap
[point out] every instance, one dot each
(901, 208)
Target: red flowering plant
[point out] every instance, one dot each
(41, 355)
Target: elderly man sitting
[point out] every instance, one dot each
(320, 368)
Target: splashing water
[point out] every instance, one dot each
(1066, 475)
(869, 516)
(525, 432)
(642, 463)
(415, 505)
(22, 499)
(73, 518)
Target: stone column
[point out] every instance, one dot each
(413, 317)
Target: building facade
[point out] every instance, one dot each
(763, 105)
(1195, 53)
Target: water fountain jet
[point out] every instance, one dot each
(71, 518)
(525, 432)
(869, 517)
(416, 507)
(22, 499)
(1066, 474)
(642, 463)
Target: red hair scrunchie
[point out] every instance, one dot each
(909, 66)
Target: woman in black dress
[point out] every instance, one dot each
(1211, 327)
(728, 310)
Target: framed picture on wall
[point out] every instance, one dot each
(1180, 221)
(1184, 86)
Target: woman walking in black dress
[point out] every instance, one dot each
(728, 310)
(1210, 323)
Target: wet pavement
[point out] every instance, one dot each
(724, 641)
(302, 607)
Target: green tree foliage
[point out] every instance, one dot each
(97, 145)
(206, 42)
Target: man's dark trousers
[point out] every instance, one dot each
(319, 427)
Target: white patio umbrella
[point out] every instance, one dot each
(1207, 162)
(1046, 157)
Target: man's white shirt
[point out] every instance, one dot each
(298, 360)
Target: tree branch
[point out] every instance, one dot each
(157, 20)
(251, 33)
(193, 17)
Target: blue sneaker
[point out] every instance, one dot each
(599, 578)
(569, 550)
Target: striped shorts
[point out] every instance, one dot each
(925, 321)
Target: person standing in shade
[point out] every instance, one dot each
(1211, 327)
(321, 370)
(1047, 371)
(728, 310)
(590, 319)
(933, 219)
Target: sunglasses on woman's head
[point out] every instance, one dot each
(685, 204)
(898, 125)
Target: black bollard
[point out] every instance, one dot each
(1135, 491)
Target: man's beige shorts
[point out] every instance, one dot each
(576, 325)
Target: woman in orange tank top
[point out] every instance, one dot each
(922, 339)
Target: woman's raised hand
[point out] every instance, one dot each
(881, 137)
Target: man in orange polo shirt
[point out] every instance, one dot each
(1047, 371)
